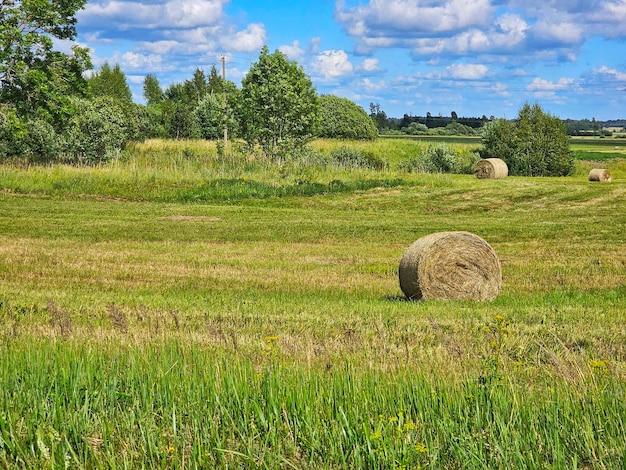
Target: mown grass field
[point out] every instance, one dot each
(174, 309)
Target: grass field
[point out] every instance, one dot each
(177, 310)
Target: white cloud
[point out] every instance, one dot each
(565, 33)
(611, 73)
(541, 85)
(172, 14)
(294, 52)
(249, 40)
(414, 16)
(513, 29)
(467, 71)
(370, 65)
(332, 64)
(133, 60)
(372, 87)
(314, 45)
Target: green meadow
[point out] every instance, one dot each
(183, 308)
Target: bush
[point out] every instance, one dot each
(97, 132)
(416, 128)
(13, 133)
(355, 158)
(442, 159)
(44, 145)
(536, 144)
(32, 140)
(341, 118)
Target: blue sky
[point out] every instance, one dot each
(474, 57)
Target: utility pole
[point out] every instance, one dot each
(224, 100)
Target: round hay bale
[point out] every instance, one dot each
(450, 266)
(600, 174)
(491, 168)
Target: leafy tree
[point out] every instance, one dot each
(210, 116)
(110, 82)
(344, 119)
(13, 133)
(179, 121)
(97, 131)
(378, 116)
(535, 144)
(34, 77)
(152, 92)
(197, 86)
(215, 83)
(278, 107)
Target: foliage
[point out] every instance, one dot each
(216, 110)
(98, 131)
(179, 121)
(441, 158)
(210, 116)
(13, 133)
(341, 118)
(110, 82)
(355, 158)
(535, 144)
(152, 92)
(34, 77)
(32, 140)
(278, 108)
(43, 143)
(416, 128)
(379, 117)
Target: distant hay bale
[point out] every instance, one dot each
(450, 266)
(491, 168)
(600, 174)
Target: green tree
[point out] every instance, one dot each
(535, 144)
(278, 107)
(152, 92)
(110, 82)
(98, 131)
(379, 117)
(36, 79)
(343, 119)
(215, 83)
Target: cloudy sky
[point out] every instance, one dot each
(474, 57)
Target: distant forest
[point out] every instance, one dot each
(437, 124)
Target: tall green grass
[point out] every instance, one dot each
(179, 405)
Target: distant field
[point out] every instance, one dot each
(177, 310)
(584, 148)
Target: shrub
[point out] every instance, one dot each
(416, 128)
(355, 158)
(442, 159)
(536, 144)
(44, 145)
(13, 133)
(98, 131)
(341, 118)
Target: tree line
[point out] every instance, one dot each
(51, 111)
